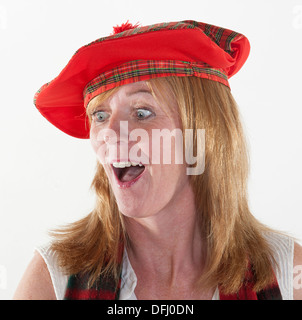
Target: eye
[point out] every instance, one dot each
(143, 114)
(100, 116)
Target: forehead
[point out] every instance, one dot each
(127, 89)
(159, 95)
(136, 86)
(132, 89)
(160, 98)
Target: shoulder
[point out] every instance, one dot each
(297, 272)
(287, 256)
(36, 282)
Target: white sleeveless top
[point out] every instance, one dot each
(283, 248)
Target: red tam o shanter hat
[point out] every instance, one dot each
(135, 53)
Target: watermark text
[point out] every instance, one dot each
(160, 146)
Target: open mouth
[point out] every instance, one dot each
(127, 172)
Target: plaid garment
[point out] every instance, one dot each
(272, 292)
(105, 289)
(139, 70)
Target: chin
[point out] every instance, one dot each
(135, 210)
(132, 214)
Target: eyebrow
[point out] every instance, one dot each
(139, 91)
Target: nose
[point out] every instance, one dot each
(119, 126)
(115, 138)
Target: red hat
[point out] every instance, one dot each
(133, 53)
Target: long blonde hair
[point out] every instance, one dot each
(234, 238)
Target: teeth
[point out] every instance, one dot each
(125, 164)
(134, 164)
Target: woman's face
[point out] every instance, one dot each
(124, 135)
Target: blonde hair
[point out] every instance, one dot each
(234, 238)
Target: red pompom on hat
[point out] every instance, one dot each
(137, 53)
(124, 27)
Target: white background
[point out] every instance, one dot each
(45, 175)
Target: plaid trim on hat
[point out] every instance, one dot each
(41, 89)
(139, 70)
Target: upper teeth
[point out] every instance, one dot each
(125, 164)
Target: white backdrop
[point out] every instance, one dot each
(45, 175)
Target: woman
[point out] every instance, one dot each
(177, 228)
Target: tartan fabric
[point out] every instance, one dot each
(272, 292)
(41, 89)
(221, 36)
(196, 49)
(139, 70)
(105, 289)
(145, 29)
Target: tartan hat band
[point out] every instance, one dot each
(140, 70)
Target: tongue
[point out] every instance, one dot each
(129, 174)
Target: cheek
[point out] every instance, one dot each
(167, 183)
(98, 144)
(105, 144)
(138, 145)
(93, 139)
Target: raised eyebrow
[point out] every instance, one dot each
(98, 107)
(139, 91)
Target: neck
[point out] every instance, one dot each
(169, 242)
